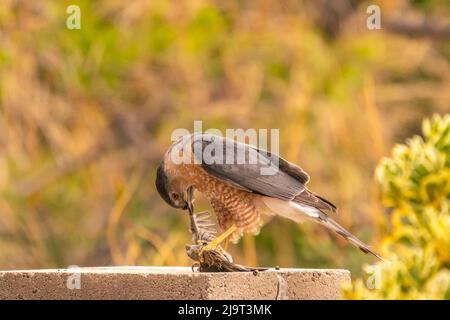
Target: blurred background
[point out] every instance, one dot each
(85, 116)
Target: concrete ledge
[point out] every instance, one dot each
(170, 283)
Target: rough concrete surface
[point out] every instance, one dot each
(170, 283)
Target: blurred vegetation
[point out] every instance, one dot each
(86, 115)
(415, 182)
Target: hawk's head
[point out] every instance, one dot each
(179, 199)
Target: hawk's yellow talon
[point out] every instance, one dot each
(215, 244)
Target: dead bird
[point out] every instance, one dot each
(211, 260)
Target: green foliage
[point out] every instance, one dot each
(415, 181)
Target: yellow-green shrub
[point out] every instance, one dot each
(415, 182)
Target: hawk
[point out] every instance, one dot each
(245, 186)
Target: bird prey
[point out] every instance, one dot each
(246, 186)
(213, 260)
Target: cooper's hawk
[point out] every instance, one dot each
(245, 186)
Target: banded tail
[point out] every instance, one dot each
(309, 206)
(336, 227)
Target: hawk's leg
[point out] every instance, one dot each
(215, 243)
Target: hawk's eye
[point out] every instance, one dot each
(175, 196)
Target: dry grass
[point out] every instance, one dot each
(86, 114)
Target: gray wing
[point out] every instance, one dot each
(248, 168)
